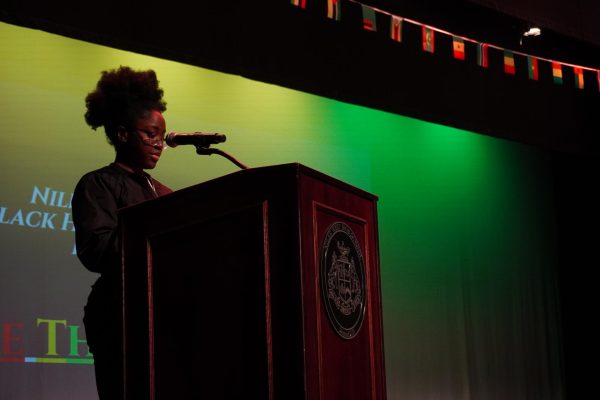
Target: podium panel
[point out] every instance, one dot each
(259, 284)
(339, 367)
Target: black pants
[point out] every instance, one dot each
(104, 336)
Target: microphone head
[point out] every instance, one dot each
(198, 139)
(169, 139)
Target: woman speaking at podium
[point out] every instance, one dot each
(129, 105)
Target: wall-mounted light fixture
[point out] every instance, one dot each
(533, 31)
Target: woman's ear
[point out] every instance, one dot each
(122, 134)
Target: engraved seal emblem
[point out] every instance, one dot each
(342, 276)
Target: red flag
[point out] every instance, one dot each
(578, 77)
(458, 46)
(533, 67)
(509, 62)
(369, 18)
(482, 55)
(557, 72)
(396, 28)
(299, 3)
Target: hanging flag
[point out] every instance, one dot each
(532, 64)
(578, 77)
(482, 55)
(369, 19)
(299, 3)
(396, 28)
(458, 45)
(557, 72)
(334, 9)
(509, 62)
(428, 39)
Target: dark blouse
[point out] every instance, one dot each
(97, 197)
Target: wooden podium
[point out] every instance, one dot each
(262, 284)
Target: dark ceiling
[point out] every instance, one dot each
(575, 18)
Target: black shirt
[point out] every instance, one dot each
(96, 200)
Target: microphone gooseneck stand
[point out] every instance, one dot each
(207, 151)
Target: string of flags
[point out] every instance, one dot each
(428, 34)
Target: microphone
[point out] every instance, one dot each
(198, 139)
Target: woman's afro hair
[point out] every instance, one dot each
(121, 97)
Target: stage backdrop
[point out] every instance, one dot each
(466, 221)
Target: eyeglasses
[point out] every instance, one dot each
(151, 138)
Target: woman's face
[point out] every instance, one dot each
(144, 142)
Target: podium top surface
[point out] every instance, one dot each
(290, 170)
(259, 178)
